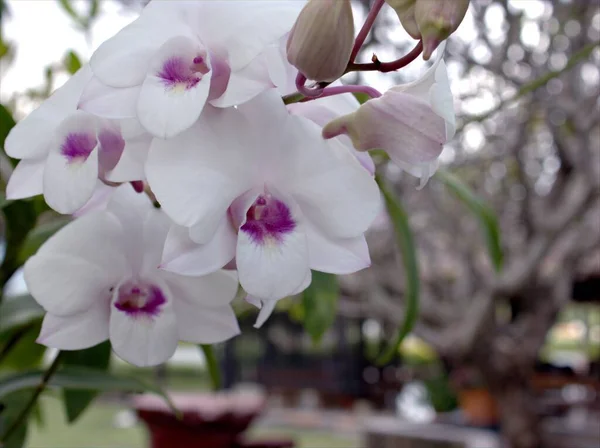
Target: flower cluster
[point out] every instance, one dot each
(188, 173)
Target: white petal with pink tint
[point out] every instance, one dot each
(31, 137)
(343, 201)
(184, 256)
(71, 168)
(336, 255)
(244, 85)
(209, 291)
(81, 237)
(173, 94)
(109, 102)
(68, 186)
(26, 179)
(130, 166)
(144, 340)
(272, 264)
(205, 325)
(76, 331)
(64, 284)
(185, 172)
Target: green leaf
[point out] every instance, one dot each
(3, 201)
(320, 304)
(404, 238)
(22, 351)
(7, 122)
(72, 62)
(212, 364)
(79, 378)
(70, 10)
(10, 406)
(38, 236)
(484, 213)
(98, 357)
(17, 312)
(20, 218)
(361, 97)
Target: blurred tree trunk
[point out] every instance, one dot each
(519, 419)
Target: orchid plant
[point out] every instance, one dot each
(210, 146)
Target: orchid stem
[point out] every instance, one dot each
(22, 417)
(212, 364)
(366, 28)
(386, 67)
(301, 86)
(331, 91)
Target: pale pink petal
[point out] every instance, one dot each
(124, 59)
(245, 84)
(31, 137)
(341, 202)
(65, 285)
(26, 180)
(71, 169)
(96, 237)
(185, 172)
(130, 166)
(182, 255)
(272, 261)
(208, 291)
(173, 95)
(145, 340)
(336, 255)
(76, 331)
(205, 325)
(109, 102)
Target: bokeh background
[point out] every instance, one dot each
(506, 348)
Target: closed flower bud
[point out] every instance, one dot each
(406, 13)
(321, 41)
(437, 19)
(411, 122)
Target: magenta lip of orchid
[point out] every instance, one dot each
(78, 146)
(268, 219)
(138, 299)
(176, 71)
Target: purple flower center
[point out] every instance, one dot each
(268, 219)
(140, 299)
(78, 146)
(179, 72)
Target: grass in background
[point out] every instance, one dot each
(97, 428)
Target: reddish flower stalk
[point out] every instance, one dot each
(385, 67)
(364, 32)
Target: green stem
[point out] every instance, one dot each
(292, 98)
(22, 417)
(212, 364)
(408, 251)
(528, 88)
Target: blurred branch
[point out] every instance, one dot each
(528, 88)
(22, 417)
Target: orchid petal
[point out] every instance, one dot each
(172, 96)
(26, 179)
(184, 172)
(184, 256)
(144, 340)
(215, 290)
(76, 331)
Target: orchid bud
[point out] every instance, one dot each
(406, 13)
(437, 19)
(404, 126)
(321, 41)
